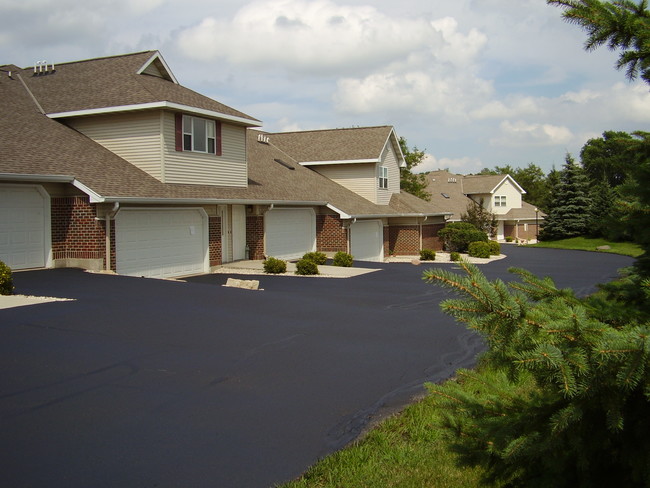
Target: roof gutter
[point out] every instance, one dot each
(36, 178)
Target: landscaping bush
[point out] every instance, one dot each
(274, 266)
(317, 257)
(495, 248)
(6, 280)
(306, 267)
(509, 238)
(454, 256)
(456, 236)
(343, 259)
(427, 255)
(479, 249)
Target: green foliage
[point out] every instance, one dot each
(415, 184)
(456, 236)
(509, 238)
(477, 215)
(479, 249)
(343, 259)
(274, 266)
(306, 267)
(454, 256)
(427, 255)
(563, 394)
(6, 280)
(317, 257)
(569, 213)
(620, 25)
(495, 248)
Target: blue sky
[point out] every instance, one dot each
(474, 83)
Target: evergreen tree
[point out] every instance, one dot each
(602, 211)
(562, 396)
(413, 183)
(477, 215)
(569, 211)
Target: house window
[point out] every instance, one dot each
(500, 201)
(199, 135)
(383, 177)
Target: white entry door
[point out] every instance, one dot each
(367, 240)
(161, 243)
(25, 240)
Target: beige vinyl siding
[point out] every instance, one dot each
(513, 197)
(360, 178)
(389, 160)
(188, 167)
(135, 137)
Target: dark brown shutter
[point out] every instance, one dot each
(217, 138)
(179, 131)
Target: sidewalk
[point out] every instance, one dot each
(250, 267)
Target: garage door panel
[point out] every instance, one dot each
(290, 233)
(24, 226)
(161, 243)
(367, 240)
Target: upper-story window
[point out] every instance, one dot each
(500, 201)
(199, 134)
(383, 177)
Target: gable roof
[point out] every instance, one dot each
(338, 146)
(482, 184)
(120, 83)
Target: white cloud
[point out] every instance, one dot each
(522, 133)
(464, 165)
(316, 36)
(511, 107)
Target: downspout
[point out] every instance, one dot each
(110, 215)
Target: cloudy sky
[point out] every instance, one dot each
(474, 83)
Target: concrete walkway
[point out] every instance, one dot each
(257, 268)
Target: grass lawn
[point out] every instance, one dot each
(591, 244)
(405, 451)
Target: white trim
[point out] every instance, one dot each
(508, 177)
(159, 105)
(36, 178)
(401, 159)
(342, 161)
(158, 56)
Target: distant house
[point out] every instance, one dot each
(110, 163)
(499, 194)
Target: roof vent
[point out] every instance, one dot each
(263, 139)
(451, 180)
(42, 68)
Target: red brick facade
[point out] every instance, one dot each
(255, 236)
(330, 234)
(521, 231)
(76, 234)
(214, 240)
(430, 239)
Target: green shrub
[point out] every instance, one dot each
(274, 266)
(495, 248)
(456, 236)
(479, 249)
(509, 238)
(306, 267)
(6, 280)
(317, 257)
(454, 256)
(427, 255)
(343, 259)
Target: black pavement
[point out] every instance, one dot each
(155, 383)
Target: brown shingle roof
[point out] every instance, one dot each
(113, 82)
(353, 144)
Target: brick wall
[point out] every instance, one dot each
(430, 239)
(404, 240)
(76, 234)
(522, 231)
(214, 240)
(330, 234)
(255, 236)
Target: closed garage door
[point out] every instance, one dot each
(161, 243)
(24, 226)
(367, 240)
(289, 232)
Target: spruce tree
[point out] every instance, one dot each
(569, 209)
(562, 396)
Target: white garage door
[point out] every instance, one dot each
(24, 226)
(367, 240)
(161, 243)
(289, 232)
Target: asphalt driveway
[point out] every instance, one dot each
(152, 383)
